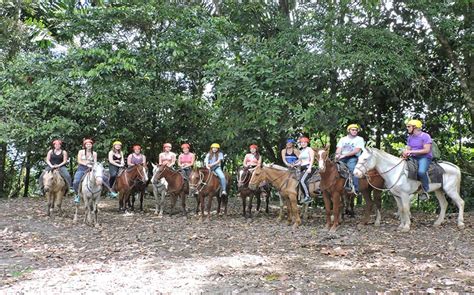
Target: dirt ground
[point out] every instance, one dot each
(142, 253)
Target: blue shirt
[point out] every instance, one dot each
(211, 160)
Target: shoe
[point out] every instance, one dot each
(224, 193)
(307, 200)
(423, 196)
(113, 195)
(71, 190)
(77, 199)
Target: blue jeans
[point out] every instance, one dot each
(351, 162)
(423, 165)
(221, 176)
(62, 171)
(81, 170)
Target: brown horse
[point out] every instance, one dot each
(285, 183)
(243, 179)
(203, 182)
(367, 185)
(132, 180)
(332, 186)
(55, 188)
(177, 185)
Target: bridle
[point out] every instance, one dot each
(247, 177)
(367, 176)
(88, 180)
(201, 184)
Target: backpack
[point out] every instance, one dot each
(435, 150)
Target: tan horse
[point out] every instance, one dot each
(55, 188)
(284, 182)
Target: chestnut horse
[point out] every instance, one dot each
(284, 182)
(243, 178)
(132, 180)
(372, 183)
(332, 186)
(177, 185)
(55, 188)
(204, 183)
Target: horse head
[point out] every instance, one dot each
(258, 176)
(97, 172)
(364, 163)
(243, 176)
(322, 155)
(195, 179)
(48, 181)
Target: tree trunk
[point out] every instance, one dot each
(3, 162)
(332, 142)
(27, 174)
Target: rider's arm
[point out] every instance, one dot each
(80, 161)
(245, 160)
(65, 158)
(111, 159)
(181, 165)
(173, 160)
(338, 152)
(144, 161)
(94, 156)
(129, 161)
(159, 159)
(259, 162)
(311, 159)
(122, 161)
(426, 149)
(48, 159)
(193, 158)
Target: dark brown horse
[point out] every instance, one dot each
(203, 182)
(133, 180)
(332, 187)
(243, 178)
(367, 185)
(177, 185)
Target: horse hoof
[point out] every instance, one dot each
(96, 225)
(461, 225)
(405, 229)
(333, 229)
(437, 224)
(377, 224)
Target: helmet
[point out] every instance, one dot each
(185, 145)
(87, 140)
(416, 123)
(167, 145)
(304, 139)
(253, 146)
(116, 142)
(136, 146)
(290, 140)
(57, 141)
(215, 145)
(350, 126)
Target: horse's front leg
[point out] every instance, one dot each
(75, 213)
(157, 203)
(405, 213)
(443, 204)
(327, 207)
(257, 195)
(267, 202)
(183, 203)
(244, 204)
(201, 203)
(209, 205)
(219, 202)
(174, 199)
(250, 196)
(378, 205)
(295, 210)
(142, 193)
(337, 209)
(282, 204)
(49, 202)
(367, 207)
(96, 212)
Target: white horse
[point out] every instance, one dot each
(395, 173)
(160, 188)
(90, 190)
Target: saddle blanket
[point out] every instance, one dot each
(435, 171)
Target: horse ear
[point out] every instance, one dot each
(154, 165)
(327, 147)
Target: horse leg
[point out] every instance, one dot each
(250, 196)
(295, 211)
(96, 213)
(209, 205)
(174, 199)
(141, 200)
(155, 194)
(244, 204)
(59, 202)
(132, 198)
(258, 195)
(453, 193)
(405, 213)
(327, 207)
(75, 214)
(183, 203)
(280, 215)
(443, 204)
(48, 198)
(378, 206)
(288, 209)
(367, 207)
(219, 201)
(267, 203)
(226, 201)
(201, 202)
(336, 209)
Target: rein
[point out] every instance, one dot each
(89, 182)
(201, 184)
(285, 183)
(366, 174)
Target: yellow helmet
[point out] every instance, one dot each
(116, 142)
(353, 126)
(215, 145)
(416, 123)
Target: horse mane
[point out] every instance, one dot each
(277, 167)
(382, 153)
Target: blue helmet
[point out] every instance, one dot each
(290, 140)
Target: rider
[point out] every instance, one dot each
(186, 160)
(419, 147)
(252, 159)
(213, 162)
(136, 158)
(56, 158)
(289, 154)
(306, 160)
(116, 161)
(349, 149)
(85, 159)
(167, 157)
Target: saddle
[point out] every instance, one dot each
(82, 178)
(435, 171)
(345, 173)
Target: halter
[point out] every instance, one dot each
(366, 174)
(200, 185)
(88, 175)
(246, 179)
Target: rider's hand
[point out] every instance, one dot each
(308, 170)
(406, 153)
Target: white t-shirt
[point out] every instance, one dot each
(348, 144)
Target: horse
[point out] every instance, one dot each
(203, 182)
(243, 179)
(90, 190)
(394, 172)
(55, 188)
(332, 186)
(285, 183)
(132, 180)
(177, 185)
(160, 186)
(373, 182)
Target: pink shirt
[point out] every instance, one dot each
(250, 160)
(186, 158)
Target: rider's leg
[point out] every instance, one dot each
(304, 186)
(65, 174)
(40, 180)
(81, 170)
(222, 179)
(423, 165)
(351, 163)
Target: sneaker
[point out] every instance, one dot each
(71, 190)
(77, 199)
(224, 193)
(307, 200)
(423, 196)
(113, 195)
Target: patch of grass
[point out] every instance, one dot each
(19, 273)
(272, 277)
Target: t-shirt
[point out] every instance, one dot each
(417, 141)
(212, 160)
(348, 144)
